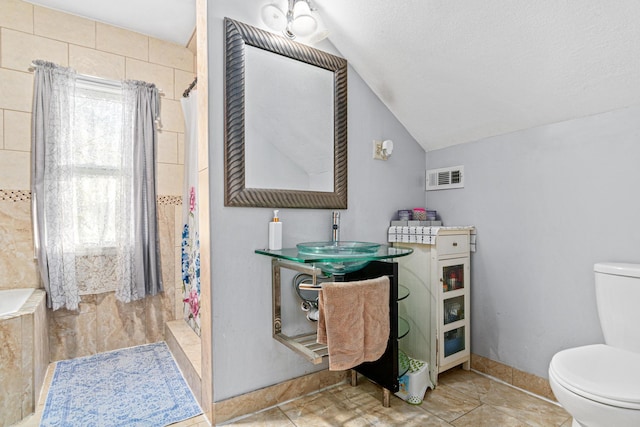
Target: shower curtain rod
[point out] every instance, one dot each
(98, 80)
(193, 84)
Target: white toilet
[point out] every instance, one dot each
(599, 385)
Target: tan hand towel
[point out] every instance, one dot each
(354, 321)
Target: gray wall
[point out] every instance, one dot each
(548, 203)
(245, 356)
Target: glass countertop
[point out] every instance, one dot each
(292, 254)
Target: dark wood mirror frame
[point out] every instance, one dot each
(238, 35)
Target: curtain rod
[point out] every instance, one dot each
(193, 84)
(96, 79)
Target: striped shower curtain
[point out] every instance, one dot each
(190, 240)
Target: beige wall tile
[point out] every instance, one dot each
(87, 305)
(492, 368)
(28, 399)
(171, 115)
(16, 14)
(181, 148)
(17, 133)
(119, 325)
(19, 49)
(63, 26)
(167, 147)
(16, 258)
(276, 394)
(170, 54)
(122, 42)
(1, 129)
(179, 304)
(170, 178)
(182, 351)
(155, 317)
(96, 63)
(533, 383)
(166, 222)
(178, 233)
(166, 230)
(15, 170)
(11, 371)
(183, 80)
(152, 73)
(16, 90)
(41, 347)
(72, 335)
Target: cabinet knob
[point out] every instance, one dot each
(455, 243)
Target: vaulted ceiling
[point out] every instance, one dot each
(459, 71)
(456, 71)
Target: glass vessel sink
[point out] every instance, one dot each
(337, 258)
(338, 249)
(344, 255)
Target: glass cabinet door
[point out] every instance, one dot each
(453, 277)
(453, 310)
(454, 341)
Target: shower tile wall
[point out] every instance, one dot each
(16, 253)
(30, 32)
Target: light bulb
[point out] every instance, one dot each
(303, 25)
(322, 32)
(301, 8)
(274, 17)
(319, 36)
(387, 147)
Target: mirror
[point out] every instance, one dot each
(286, 122)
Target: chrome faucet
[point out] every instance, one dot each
(335, 228)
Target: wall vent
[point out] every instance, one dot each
(445, 178)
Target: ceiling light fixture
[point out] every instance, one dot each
(301, 22)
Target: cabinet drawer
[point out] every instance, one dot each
(455, 244)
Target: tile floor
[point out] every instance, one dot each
(462, 399)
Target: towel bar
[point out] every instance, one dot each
(307, 287)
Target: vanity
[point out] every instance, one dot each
(342, 263)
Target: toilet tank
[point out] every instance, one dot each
(618, 299)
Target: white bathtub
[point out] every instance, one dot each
(12, 300)
(25, 352)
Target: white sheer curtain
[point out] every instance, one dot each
(53, 109)
(90, 179)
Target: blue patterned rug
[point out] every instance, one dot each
(137, 386)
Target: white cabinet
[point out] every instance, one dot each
(438, 276)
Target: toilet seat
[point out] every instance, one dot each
(601, 373)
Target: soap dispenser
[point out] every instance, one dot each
(275, 232)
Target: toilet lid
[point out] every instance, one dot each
(600, 372)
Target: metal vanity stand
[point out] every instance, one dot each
(384, 371)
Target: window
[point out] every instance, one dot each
(95, 219)
(97, 165)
